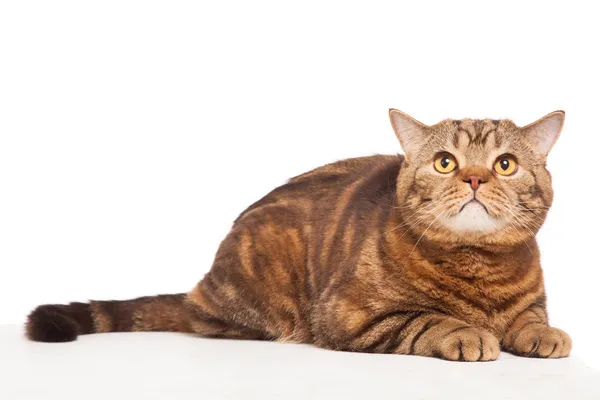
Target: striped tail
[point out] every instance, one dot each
(63, 323)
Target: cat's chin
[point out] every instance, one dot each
(473, 217)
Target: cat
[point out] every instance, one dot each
(431, 254)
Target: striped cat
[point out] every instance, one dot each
(431, 254)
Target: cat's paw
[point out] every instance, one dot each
(541, 341)
(468, 344)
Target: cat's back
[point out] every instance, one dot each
(316, 192)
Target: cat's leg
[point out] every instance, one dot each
(530, 336)
(411, 332)
(255, 289)
(220, 310)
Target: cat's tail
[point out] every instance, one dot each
(63, 323)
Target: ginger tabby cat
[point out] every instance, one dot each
(431, 254)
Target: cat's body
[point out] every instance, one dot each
(349, 256)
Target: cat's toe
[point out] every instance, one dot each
(470, 344)
(542, 342)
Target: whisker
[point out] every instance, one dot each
(420, 237)
(412, 225)
(411, 218)
(520, 220)
(515, 227)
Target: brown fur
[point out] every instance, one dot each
(347, 257)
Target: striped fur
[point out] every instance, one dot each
(336, 258)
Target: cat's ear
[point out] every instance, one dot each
(543, 133)
(409, 131)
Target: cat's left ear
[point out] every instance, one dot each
(543, 133)
(409, 131)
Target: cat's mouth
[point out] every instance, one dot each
(474, 202)
(472, 216)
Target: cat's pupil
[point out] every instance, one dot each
(504, 164)
(445, 162)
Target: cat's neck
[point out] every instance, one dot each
(459, 259)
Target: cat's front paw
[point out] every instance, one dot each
(540, 341)
(469, 344)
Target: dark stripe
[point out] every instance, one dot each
(537, 191)
(455, 139)
(379, 185)
(539, 306)
(516, 297)
(535, 346)
(515, 334)
(394, 342)
(377, 320)
(225, 326)
(428, 325)
(374, 192)
(467, 133)
(438, 354)
(121, 312)
(301, 188)
(484, 138)
(387, 261)
(554, 348)
(451, 291)
(309, 276)
(497, 138)
(82, 313)
(460, 328)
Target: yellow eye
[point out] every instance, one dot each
(505, 165)
(445, 163)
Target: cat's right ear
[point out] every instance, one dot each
(409, 131)
(543, 133)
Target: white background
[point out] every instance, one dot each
(133, 133)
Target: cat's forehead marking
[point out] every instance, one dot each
(481, 135)
(479, 131)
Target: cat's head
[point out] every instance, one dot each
(475, 182)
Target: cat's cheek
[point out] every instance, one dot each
(428, 184)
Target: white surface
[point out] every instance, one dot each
(132, 133)
(177, 366)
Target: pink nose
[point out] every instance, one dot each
(474, 180)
